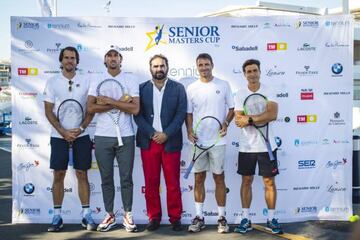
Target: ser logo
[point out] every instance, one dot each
(306, 164)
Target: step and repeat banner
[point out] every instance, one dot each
(307, 62)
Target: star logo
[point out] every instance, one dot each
(155, 37)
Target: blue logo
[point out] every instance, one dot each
(265, 212)
(306, 164)
(29, 188)
(337, 68)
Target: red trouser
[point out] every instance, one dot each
(152, 159)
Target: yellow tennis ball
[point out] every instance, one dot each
(354, 218)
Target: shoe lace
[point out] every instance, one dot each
(196, 220)
(56, 219)
(129, 218)
(274, 223)
(244, 222)
(107, 218)
(89, 219)
(222, 221)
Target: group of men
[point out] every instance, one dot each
(159, 107)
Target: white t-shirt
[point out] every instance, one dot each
(212, 98)
(250, 140)
(105, 126)
(57, 90)
(157, 104)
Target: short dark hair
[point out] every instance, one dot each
(205, 56)
(159, 56)
(250, 62)
(71, 49)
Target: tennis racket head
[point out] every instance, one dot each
(110, 88)
(207, 131)
(70, 114)
(255, 104)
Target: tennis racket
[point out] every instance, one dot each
(207, 131)
(255, 104)
(70, 114)
(113, 89)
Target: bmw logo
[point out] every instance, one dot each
(29, 188)
(337, 68)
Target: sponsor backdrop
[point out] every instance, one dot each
(307, 61)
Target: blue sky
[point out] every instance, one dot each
(132, 8)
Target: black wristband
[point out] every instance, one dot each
(250, 121)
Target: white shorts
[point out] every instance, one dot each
(212, 160)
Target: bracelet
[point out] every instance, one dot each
(227, 123)
(82, 129)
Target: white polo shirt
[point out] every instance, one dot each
(57, 90)
(105, 126)
(250, 140)
(157, 104)
(212, 98)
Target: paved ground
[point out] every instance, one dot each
(324, 230)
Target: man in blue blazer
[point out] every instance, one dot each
(163, 107)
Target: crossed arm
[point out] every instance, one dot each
(269, 115)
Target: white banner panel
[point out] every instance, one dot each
(306, 60)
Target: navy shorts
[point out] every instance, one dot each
(59, 157)
(247, 164)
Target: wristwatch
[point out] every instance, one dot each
(227, 123)
(82, 129)
(250, 121)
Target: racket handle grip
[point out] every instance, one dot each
(271, 155)
(188, 170)
(120, 142)
(71, 155)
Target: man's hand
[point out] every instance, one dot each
(192, 137)
(75, 131)
(159, 137)
(241, 121)
(68, 135)
(223, 130)
(103, 100)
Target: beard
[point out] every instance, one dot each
(159, 75)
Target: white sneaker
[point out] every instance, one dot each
(223, 227)
(128, 222)
(108, 223)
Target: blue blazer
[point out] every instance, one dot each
(173, 113)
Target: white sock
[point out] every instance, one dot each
(199, 209)
(271, 213)
(245, 213)
(85, 211)
(57, 210)
(221, 211)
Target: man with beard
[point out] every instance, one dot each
(209, 96)
(68, 85)
(106, 143)
(159, 135)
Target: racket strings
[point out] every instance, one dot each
(70, 115)
(207, 132)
